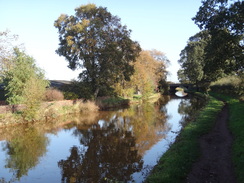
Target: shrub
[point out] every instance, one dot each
(233, 85)
(88, 106)
(70, 96)
(53, 94)
(33, 95)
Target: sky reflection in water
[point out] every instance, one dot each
(120, 145)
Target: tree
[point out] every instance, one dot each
(95, 40)
(192, 59)
(24, 83)
(224, 22)
(6, 51)
(150, 69)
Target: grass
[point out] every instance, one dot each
(51, 111)
(236, 125)
(176, 163)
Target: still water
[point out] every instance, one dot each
(108, 146)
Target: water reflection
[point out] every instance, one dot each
(24, 148)
(100, 147)
(112, 149)
(188, 108)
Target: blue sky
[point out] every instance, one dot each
(156, 24)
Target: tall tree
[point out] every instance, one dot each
(95, 40)
(224, 21)
(192, 59)
(25, 83)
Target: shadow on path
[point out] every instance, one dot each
(215, 163)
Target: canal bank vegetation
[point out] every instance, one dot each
(135, 77)
(210, 67)
(236, 126)
(176, 163)
(47, 111)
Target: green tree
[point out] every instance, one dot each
(6, 51)
(24, 83)
(192, 59)
(223, 20)
(95, 40)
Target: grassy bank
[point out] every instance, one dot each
(176, 163)
(49, 111)
(236, 125)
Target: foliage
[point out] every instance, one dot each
(150, 69)
(24, 84)
(192, 59)
(224, 22)
(95, 40)
(33, 95)
(52, 94)
(70, 95)
(164, 87)
(230, 85)
(6, 51)
(80, 88)
(218, 53)
(17, 78)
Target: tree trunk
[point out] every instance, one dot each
(96, 93)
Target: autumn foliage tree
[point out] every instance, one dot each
(150, 69)
(95, 40)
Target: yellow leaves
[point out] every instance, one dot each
(60, 20)
(80, 26)
(69, 40)
(85, 8)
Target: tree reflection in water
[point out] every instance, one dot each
(110, 155)
(112, 149)
(24, 149)
(188, 108)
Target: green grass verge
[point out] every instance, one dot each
(236, 125)
(177, 162)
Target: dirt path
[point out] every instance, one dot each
(215, 164)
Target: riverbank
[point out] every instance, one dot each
(236, 126)
(12, 114)
(177, 162)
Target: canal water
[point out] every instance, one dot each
(109, 146)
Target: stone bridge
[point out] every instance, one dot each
(172, 87)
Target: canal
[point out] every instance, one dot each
(107, 146)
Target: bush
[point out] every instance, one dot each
(88, 106)
(233, 85)
(70, 96)
(53, 95)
